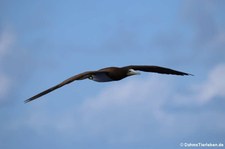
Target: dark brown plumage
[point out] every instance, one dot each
(110, 74)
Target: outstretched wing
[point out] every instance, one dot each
(156, 69)
(80, 76)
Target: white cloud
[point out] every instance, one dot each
(4, 86)
(208, 90)
(124, 112)
(214, 86)
(6, 42)
(126, 93)
(117, 104)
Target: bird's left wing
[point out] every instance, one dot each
(80, 76)
(156, 69)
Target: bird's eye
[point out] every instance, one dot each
(90, 77)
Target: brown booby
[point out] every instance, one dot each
(110, 74)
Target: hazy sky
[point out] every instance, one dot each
(43, 42)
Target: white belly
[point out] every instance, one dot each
(101, 77)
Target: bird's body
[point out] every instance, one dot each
(102, 77)
(111, 74)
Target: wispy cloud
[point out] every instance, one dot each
(6, 42)
(213, 87)
(4, 85)
(124, 108)
(207, 32)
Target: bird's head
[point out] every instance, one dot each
(131, 72)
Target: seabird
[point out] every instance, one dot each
(110, 74)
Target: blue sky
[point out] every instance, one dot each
(44, 42)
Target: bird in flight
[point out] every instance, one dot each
(110, 74)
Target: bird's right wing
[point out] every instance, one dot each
(80, 76)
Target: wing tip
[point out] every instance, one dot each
(28, 100)
(186, 74)
(189, 74)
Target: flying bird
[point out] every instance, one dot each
(110, 74)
